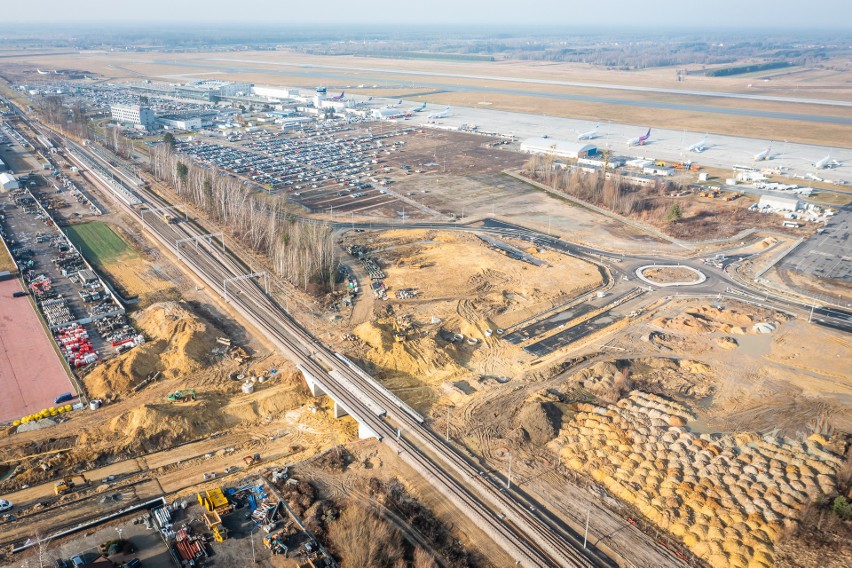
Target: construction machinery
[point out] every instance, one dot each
(214, 522)
(181, 395)
(168, 218)
(711, 193)
(252, 460)
(66, 485)
(275, 543)
(214, 500)
(732, 196)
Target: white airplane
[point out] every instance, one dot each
(590, 134)
(437, 115)
(765, 155)
(40, 72)
(826, 162)
(699, 146)
(640, 140)
(421, 108)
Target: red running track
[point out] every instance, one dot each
(31, 373)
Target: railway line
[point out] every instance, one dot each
(531, 538)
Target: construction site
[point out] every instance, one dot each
(367, 343)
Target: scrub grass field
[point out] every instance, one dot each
(99, 243)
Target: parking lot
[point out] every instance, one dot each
(826, 255)
(336, 170)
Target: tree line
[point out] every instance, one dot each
(302, 253)
(613, 192)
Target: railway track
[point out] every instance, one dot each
(530, 537)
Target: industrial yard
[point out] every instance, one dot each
(464, 313)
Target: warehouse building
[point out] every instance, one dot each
(558, 148)
(138, 116)
(8, 182)
(779, 203)
(387, 113)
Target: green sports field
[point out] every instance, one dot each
(99, 243)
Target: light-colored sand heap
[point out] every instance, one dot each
(726, 496)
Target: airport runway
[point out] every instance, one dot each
(324, 74)
(614, 87)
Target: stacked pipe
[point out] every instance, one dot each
(56, 311)
(75, 346)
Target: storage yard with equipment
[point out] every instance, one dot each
(313, 330)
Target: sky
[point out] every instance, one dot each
(648, 14)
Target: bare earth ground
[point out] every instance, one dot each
(793, 382)
(466, 287)
(669, 274)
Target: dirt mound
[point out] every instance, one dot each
(671, 377)
(190, 337)
(180, 343)
(708, 319)
(540, 421)
(151, 427)
(421, 357)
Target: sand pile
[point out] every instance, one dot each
(151, 427)
(727, 496)
(421, 357)
(179, 343)
(708, 319)
(190, 337)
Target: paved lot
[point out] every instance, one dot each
(31, 375)
(827, 255)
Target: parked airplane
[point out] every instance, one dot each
(40, 72)
(765, 155)
(699, 146)
(338, 97)
(640, 140)
(590, 134)
(421, 108)
(437, 115)
(826, 162)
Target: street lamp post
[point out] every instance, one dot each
(251, 539)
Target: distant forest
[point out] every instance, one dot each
(713, 53)
(623, 54)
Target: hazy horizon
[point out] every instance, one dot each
(650, 16)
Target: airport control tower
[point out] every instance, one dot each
(319, 97)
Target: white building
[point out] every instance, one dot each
(181, 123)
(8, 182)
(387, 113)
(779, 203)
(138, 116)
(558, 148)
(2, 166)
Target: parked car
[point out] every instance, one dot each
(135, 563)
